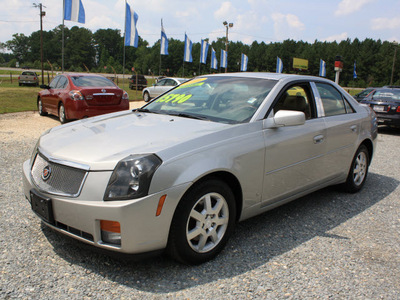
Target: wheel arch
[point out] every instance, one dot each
(368, 143)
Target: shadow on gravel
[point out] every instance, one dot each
(389, 130)
(254, 243)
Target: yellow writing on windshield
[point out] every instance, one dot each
(174, 98)
(192, 83)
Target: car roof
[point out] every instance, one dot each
(272, 76)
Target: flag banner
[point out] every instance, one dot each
(131, 33)
(74, 11)
(187, 55)
(224, 59)
(322, 68)
(214, 61)
(203, 52)
(243, 63)
(164, 41)
(279, 65)
(354, 71)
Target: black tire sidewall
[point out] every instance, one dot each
(178, 246)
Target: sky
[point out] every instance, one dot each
(266, 21)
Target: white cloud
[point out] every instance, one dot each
(385, 23)
(226, 11)
(337, 37)
(347, 7)
(287, 26)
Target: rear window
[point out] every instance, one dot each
(29, 73)
(387, 95)
(91, 81)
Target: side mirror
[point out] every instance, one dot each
(285, 118)
(44, 86)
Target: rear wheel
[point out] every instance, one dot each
(203, 222)
(358, 171)
(146, 97)
(40, 108)
(61, 114)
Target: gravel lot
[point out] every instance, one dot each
(326, 245)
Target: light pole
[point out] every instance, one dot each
(227, 41)
(394, 60)
(42, 14)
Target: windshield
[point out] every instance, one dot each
(91, 81)
(220, 99)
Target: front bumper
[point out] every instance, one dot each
(141, 230)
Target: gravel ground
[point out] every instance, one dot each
(326, 245)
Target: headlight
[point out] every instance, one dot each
(131, 177)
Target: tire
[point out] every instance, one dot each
(146, 97)
(40, 108)
(202, 223)
(61, 114)
(358, 171)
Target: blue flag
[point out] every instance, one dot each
(243, 63)
(203, 52)
(187, 55)
(322, 68)
(279, 65)
(164, 41)
(224, 59)
(214, 61)
(131, 33)
(354, 71)
(74, 11)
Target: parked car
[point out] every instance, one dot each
(77, 96)
(28, 78)
(386, 104)
(162, 86)
(181, 171)
(364, 93)
(137, 80)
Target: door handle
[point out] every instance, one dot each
(353, 128)
(318, 139)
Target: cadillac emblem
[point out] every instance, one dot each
(46, 173)
(103, 91)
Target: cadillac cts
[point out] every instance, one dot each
(178, 173)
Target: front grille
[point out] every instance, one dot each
(63, 180)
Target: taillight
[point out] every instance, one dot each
(19, 77)
(398, 109)
(34, 78)
(125, 96)
(76, 95)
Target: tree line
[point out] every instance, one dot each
(103, 52)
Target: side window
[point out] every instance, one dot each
(331, 99)
(298, 98)
(53, 83)
(62, 83)
(161, 82)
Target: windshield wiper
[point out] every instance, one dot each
(184, 115)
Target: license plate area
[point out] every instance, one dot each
(42, 206)
(379, 108)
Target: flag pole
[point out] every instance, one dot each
(62, 34)
(123, 59)
(159, 70)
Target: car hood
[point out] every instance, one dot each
(102, 141)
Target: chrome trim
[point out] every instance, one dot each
(103, 94)
(63, 162)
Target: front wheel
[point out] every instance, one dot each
(202, 223)
(358, 171)
(40, 108)
(146, 97)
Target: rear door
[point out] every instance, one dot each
(343, 129)
(294, 155)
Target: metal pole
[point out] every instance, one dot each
(41, 39)
(226, 48)
(394, 60)
(62, 34)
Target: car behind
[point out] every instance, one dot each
(77, 96)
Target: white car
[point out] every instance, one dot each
(162, 86)
(180, 172)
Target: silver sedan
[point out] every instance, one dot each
(162, 86)
(180, 172)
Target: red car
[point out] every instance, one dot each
(77, 96)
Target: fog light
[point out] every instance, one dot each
(110, 232)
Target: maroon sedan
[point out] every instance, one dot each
(77, 96)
